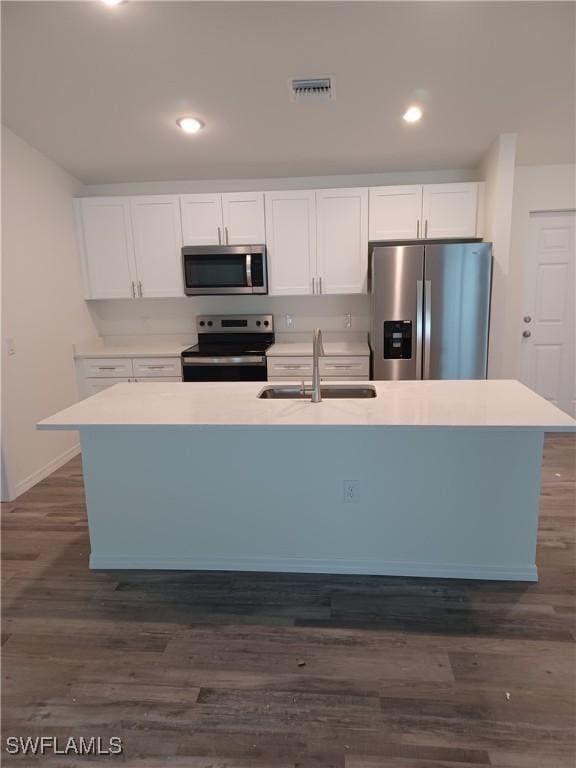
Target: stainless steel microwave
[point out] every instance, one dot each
(224, 269)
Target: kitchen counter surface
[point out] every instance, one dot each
(331, 348)
(137, 349)
(452, 404)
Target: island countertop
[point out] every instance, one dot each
(493, 404)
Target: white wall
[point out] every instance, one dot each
(42, 310)
(176, 316)
(536, 188)
(499, 169)
(269, 184)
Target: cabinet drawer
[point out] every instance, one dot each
(287, 367)
(159, 379)
(345, 366)
(107, 367)
(157, 366)
(93, 386)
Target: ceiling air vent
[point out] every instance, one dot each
(312, 89)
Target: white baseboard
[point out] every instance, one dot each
(295, 565)
(43, 472)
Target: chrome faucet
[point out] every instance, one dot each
(317, 352)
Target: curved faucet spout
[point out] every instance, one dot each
(317, 352)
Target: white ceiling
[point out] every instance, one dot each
(98, 89)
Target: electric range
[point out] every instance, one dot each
(230, 348)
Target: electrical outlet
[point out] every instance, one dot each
(347, 320)
(289, 319)
(351, 491)
(10, 346)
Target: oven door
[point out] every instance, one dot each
(222, 270)
(223, 368)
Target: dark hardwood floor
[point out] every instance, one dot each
(239, 670)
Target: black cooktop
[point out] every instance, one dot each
(231, 348)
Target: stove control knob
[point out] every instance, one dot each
(266, 323)
(202, 323)
(209, 322)
(258, 323)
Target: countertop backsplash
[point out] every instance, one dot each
(119, 320)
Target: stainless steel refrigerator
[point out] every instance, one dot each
(430, 310)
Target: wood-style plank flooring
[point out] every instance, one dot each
(240, 670)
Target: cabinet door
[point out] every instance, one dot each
(202, 219)
(243, 214)
(450, 210)
(291, 242)
(157, 367)
(395, 213)
(93, 386)
(106, 247)
(158, 245)
(342, 240)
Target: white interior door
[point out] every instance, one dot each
(548, 336)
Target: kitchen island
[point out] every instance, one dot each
(428, 478)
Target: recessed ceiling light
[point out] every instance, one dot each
(113, 2)
(190, 124)
(412, 114)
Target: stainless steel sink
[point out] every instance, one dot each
(328, 391)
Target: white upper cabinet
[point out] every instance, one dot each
(395, 212)
(450, 210)
(232, 218)
(202, 222)
(106, 247)
(291, 242)
(157, 245)
(342, 240)
(243, 216)
(429, 211)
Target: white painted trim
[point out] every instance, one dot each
(43, 472)
(295, 565)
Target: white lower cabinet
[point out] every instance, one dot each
(93, 386)
(99, 373)
(352, 368)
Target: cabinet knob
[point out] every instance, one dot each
(526, 334)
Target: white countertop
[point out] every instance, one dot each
(138, 349)
(482, 404)
(331, 348)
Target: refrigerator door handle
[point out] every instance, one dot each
(419, 303)
(427, 326)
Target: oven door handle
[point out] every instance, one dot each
(244, 360)
(249, 270)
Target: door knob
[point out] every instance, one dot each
(527, 319)
(526, 334)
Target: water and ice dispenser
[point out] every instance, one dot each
(397, 339)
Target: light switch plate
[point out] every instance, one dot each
(347, 320)
(289, 319)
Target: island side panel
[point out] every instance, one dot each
(459, 503)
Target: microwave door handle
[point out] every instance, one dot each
(249, 270)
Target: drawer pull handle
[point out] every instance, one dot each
(156, 367)
(108, 367)
(293, 367)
